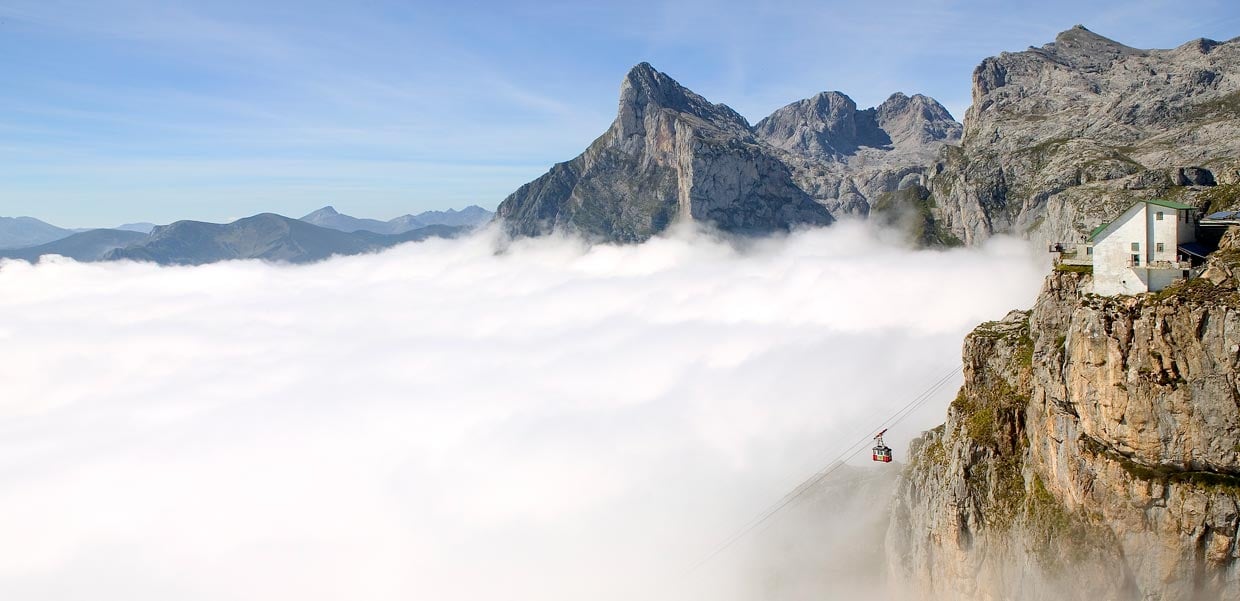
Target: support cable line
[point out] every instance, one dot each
(809, 483)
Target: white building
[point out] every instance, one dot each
(1147, 248)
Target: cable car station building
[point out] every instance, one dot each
(1151, 245)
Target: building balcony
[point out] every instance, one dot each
(1071, 253)
(1160, 264)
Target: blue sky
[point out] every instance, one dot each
(144, 110)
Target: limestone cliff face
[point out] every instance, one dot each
(670, 155)
(1092, 453)
(1059, 138)
(848, 158)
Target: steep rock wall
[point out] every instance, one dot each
(1093, 453)
(669, 155)
(1062, 137)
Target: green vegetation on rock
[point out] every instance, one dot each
(1164, 474)
(912, 210)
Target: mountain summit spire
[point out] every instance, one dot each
(645, 87)
(670, 155)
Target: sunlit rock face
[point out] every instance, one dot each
(848, 158)
(670, 155)
(1058, 139)
(1092, 453)
(1061, 137)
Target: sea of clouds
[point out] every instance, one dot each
(464, 419)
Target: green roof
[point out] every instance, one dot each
(1171, 204)
(1098, 230)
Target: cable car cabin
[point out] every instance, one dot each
(882, 452)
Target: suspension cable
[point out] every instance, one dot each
(809, 483)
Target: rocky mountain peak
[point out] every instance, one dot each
(646, 89)
(327, 211)
(1198, 46)
(1086, 50)
(899, 103)
(916, 119)
(834, 111)
(829, 125)
(671, 155)
(1059, 138)
(825, 125)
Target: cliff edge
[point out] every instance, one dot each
(1093, 452)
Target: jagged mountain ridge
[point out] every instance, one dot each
(1060, 137)
(830, 127)
(826, 126)
(328, 217)
(671, 154)
(471, 216)
(265, 236)
(848, 159)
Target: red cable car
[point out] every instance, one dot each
(882, 452)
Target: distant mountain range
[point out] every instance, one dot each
(20, 232)
(266, 236)
(1057, 140)
(470, 216)
(142, 226)
(83, 246)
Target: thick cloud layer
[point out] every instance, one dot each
(445, 421)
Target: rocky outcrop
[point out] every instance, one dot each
(1093, 452)
(1062, 137)
(825, 127)
(848, 158)
(669, 155)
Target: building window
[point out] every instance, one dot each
(1158, 215)
(1136, 246)
(1136, 260)
(1158, 247)
(1089, 250)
